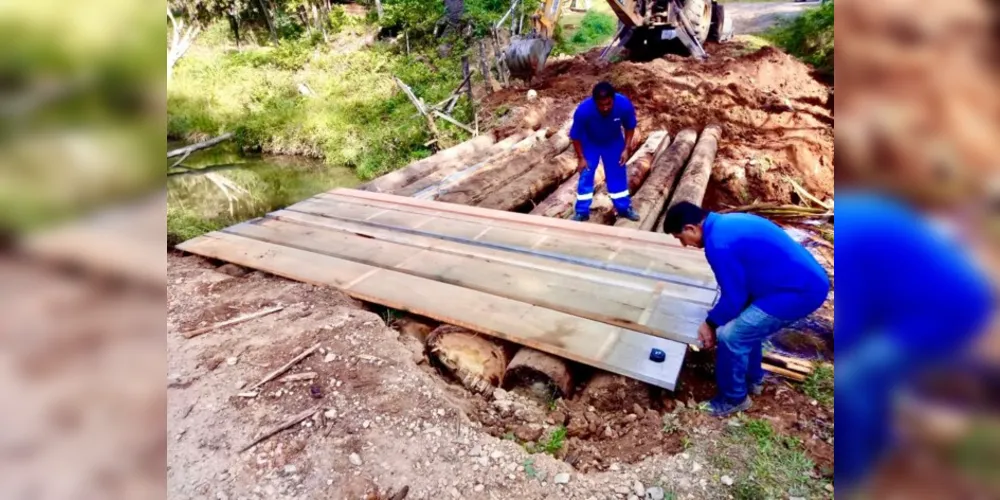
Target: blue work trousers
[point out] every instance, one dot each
(739, 351)
(614, 174)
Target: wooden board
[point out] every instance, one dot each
(590, 342)
(615, 302)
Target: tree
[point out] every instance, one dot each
(179, 42)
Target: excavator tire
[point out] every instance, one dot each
(699, 14)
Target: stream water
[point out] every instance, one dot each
(243, 186)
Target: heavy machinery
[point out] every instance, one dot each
(647, 28)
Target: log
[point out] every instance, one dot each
(414, 171)
(429, 186)
(602, 210)
(560, 203)
(542, 375)
(475, 188)
(650, 198)
(477, 361)
(532, 184)
(187, 150)
(694, 181)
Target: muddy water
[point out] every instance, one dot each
(255, 184)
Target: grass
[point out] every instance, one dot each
(552, 444)
(819, 384)
(595, 28)
(765, 463)
(808, 37)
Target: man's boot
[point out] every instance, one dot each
(630, 214)
(581, 217)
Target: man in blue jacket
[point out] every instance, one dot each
(767, 280)
(603, 131)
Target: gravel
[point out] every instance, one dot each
(561, 478)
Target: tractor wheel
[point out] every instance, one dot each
(699, 13)
(717, 31)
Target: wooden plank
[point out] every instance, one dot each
(597, 276)
(685, 265)
(578, 339)
(575, 295)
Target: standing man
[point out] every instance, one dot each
(768, 281)
(603, 131)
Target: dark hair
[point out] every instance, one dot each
(603, 90)
(681, 215)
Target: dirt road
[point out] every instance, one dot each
(754, 17)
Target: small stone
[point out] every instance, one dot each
(500, 394)
(633, 497)
(623, 490)
(829, 488)
(330, 414)
(631, 417)
(654, 493)
(330, 357)
(814, 402)
(478, 488)
(615, 467)
(637, 409)
(558, 418)
(232, 361)
(221, 496)
(484, 461)
(241, 384)
(366, 423)
(561, 478)
(726, 480)
(527, 433)
(497, 454)
(695, 467)
(355, 459)
(290, 469)
(796, 498)
(476, 451)
(454, 493)
(638, 488)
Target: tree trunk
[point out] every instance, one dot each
(528, 187)
(269, 21)
(694, 181)
(484, 67)
(378, 9)
(425, 187)
(477, 187)
(476, 360)
(545, 376)
(453, 11)
(602, 210)
(560, 204)
(651, 197)
(414, 171)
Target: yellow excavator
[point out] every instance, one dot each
(647, 28)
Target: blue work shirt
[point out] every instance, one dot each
(590, 127)
(755, 262)
(898, 276)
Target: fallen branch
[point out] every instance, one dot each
(246, 317)
(806, 194)
(201, 145)
(271, 376)
(282, 426)
(454, 122)
(419, 105)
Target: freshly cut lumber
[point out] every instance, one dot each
(455, 177)
(414, 171)
(694, 181)
(528, 187)
(561, 202)
(543, 375)
(602, 209)
(593, 343)
(435, 178)
(649, 200)
(478, 186)
(800, 377)
(240, 319)
(477, 361)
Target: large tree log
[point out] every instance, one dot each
(544, 376)
(561, 202)
(187, 150)
(416, 170)
(429, 187)
(529, 186)
(478, 186)
(650, 198)
(694, 181)
(602, 209)
(476, 360)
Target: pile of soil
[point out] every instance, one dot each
(776, 117)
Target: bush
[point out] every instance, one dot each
(809, 37)
(595, 28)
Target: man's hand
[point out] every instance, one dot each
(581, 165)
(707, 336)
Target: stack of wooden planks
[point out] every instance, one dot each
(598, 295)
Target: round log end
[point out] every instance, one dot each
(477, 361)
(541, 374)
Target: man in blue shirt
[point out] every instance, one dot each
(597, 134)
(768, 281)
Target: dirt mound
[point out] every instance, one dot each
(773, 113)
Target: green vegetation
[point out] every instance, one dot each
(596, 28)
(808, 37)
(819, 384)
(766, 464)
(551, 444)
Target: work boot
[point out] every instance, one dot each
(720, 407)
(581, 217)
(630, 214)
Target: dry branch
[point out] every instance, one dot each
(246, 317)
(271, 376)
(187, 150)
(282, 426)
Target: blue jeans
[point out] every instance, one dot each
(740, 351)
(614, 173)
